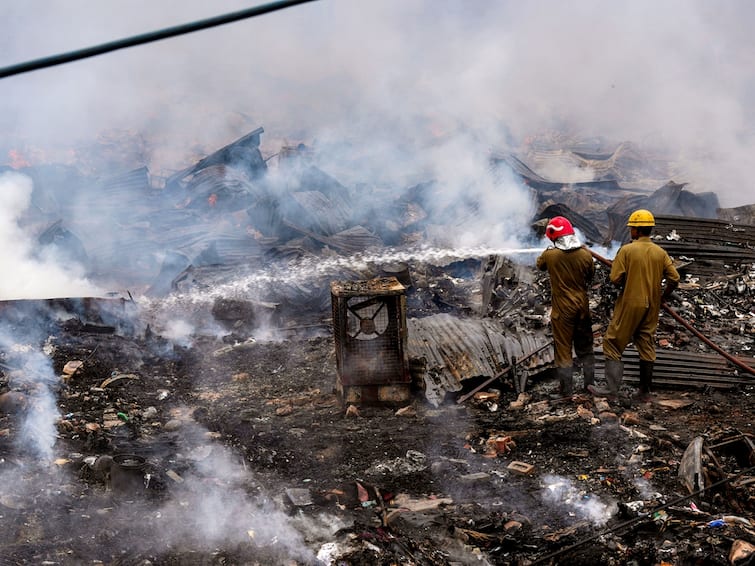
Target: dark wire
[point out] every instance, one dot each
(148, 37)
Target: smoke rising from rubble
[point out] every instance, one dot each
(674, 77)
(646, 489)
(32, 383)
(179, 332)
(212, 506)
(563, 494)
(26, 275)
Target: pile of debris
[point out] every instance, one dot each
(196, 419)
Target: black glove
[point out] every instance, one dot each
(670, 295)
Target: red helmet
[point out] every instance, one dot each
(558, 226)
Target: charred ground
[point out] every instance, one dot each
(228, 445)
(234, 433)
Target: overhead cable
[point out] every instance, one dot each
(148, 37)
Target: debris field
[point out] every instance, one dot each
(199, 417)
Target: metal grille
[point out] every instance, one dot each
(369, 326)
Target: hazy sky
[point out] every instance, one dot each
(676, 75)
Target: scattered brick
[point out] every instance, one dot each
(521, 467)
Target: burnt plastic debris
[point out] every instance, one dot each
(127, 474)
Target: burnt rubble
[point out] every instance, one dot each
(202, 413)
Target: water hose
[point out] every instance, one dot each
(737, 362)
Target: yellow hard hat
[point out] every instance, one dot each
(641, 217)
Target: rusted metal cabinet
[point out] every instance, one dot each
(370, 332)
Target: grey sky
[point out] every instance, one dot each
(674, 76)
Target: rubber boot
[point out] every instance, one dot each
(614, 377)
(646, 381)
(566, 381)
(612, 369)
(565, 384)
(588, 371)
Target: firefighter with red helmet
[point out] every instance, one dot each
(639, 268)
(571, 269)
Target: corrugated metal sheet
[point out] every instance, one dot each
(705, 231)
(250, 141)
(540, 182)
(228, 183)
(680, 369)
(89, 205)
(670, 199)
(709, 243)
(451, 349)
(520, 168)
(353, 240)
(319, 213)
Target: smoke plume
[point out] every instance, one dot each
(388, 79)
(27, 274)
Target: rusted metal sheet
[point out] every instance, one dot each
(709, 243)
(454, 349)
(704, 231)
(227, 154)
(678, 369)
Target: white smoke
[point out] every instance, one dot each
(33, 381)
(26, 275)
(394, 74)
(646, 489)
(179, 332)
(564, 496)
(216, 503)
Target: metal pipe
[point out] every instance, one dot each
(500, 374)
(739, 363)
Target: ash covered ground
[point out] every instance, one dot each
(246, 456)
(194, 421)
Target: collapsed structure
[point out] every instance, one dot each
(242, 255)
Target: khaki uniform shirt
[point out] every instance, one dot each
(640, 266)
(570, 274)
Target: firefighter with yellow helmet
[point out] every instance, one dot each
(639, 269)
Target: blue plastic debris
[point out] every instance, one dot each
(716, 523)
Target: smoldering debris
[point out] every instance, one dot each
(193, 416)
(568, 498)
